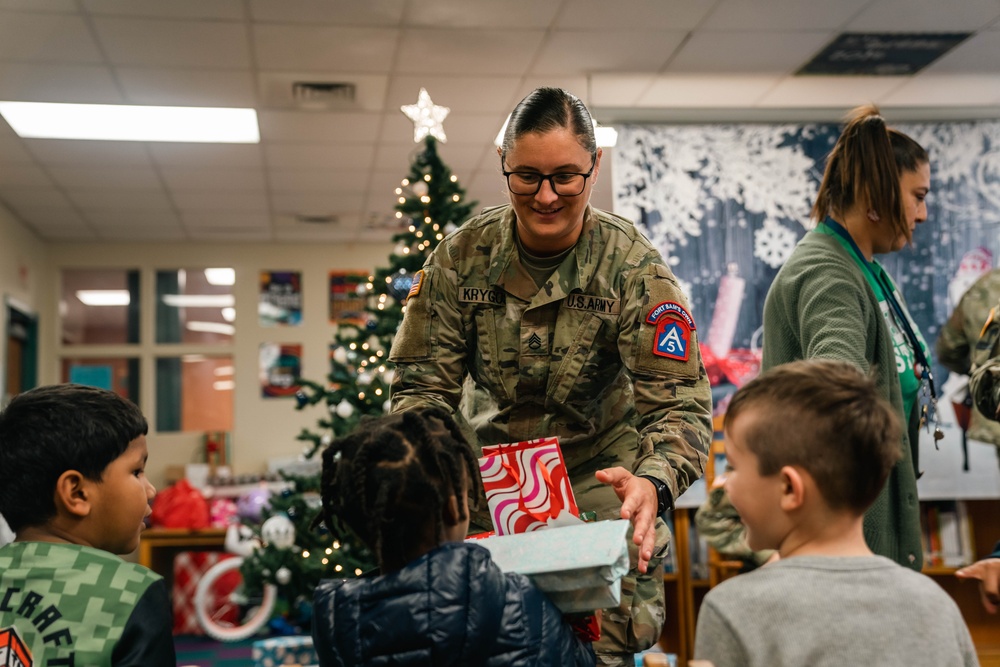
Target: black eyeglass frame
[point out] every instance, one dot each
(548, 177)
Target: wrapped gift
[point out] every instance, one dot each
(579, 567)
(189, 566)
(284, 652)
(527, 486)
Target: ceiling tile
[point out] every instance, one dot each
(112, 198)
(333, 156)
(126, 178)
(81, 84)
(368, 13)
(59, 234)
(220, 220)
(724, 52)
(920, 15)
(307, 203)
(104, 219)
(206, 155)
(316, 127)
(843, 92)
(200, 200)
(569, 52)
(617, 90)
(44, 217)
(218, 178)
(499, 52)
(178, 9)
(141, 232)
(461, 94)
(23, 175)
(967, 89)
(462, 128)
(464, 14)
(317, 180)
(28, 37)
(228, 235)
(978, 54)
(770, 15)
(67, 151)
(65, 6)
(27, 198)
(650, 14)
(578, 85)
(278, 91)
(209, 44)
(320, 48)
(187, 87)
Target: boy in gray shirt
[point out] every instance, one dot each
(810, 445)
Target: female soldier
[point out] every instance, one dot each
(832, 299)
(567, 323)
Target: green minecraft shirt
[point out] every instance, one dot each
(76, 606)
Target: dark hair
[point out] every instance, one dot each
(48, 430)
(865, 167)
(389, 480)
(546, 109)
(826, 417)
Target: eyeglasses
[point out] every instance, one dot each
(565, 184)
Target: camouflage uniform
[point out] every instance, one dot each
(957, 344)
(985, 381)
(575, 359)
(719, 523)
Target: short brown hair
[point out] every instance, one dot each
(826, 417)
(865, 166)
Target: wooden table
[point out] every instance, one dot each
(158, 546)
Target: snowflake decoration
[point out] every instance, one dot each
(773, 244)
(427, 117)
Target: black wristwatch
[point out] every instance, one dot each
(663, 499)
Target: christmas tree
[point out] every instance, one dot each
(295, 554)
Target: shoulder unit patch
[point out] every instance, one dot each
(673, 330)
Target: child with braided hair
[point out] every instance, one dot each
(402, 484)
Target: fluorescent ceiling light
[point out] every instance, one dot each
(224, 370)
(110, 122)
(606, 137)
(229, 314)
(199, 300)
(220, 276)
(104, 297)
(223, 385)
(212, 327)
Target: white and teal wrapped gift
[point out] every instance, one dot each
(284, 652)
(580, 567)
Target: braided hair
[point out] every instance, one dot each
(389, 480)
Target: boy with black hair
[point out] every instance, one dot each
(74, 491)
(810, 445)
(402, 484)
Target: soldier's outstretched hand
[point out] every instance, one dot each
(987, 571)
(639, 505)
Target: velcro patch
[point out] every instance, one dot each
(418, 282)
(593, 304)
(493, 297)
(673, 330)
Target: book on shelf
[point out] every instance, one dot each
(946, 534)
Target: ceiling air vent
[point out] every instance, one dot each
(324, 95)
(317, 219)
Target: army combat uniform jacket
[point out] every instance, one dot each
(984, 385)
(604, 355)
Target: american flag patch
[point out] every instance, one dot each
(418, 282)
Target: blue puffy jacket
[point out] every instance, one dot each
(451, 606)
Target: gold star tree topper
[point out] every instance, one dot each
(427, 117)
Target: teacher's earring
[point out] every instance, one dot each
(872, 215)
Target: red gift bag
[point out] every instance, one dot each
(189, 566)
(526, 485)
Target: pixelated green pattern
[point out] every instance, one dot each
(93, 590)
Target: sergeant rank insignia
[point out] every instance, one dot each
(673, 330)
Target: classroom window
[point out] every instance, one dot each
(99, 306)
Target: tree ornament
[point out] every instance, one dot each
(301, 399)
(340, 355)
(345, 409)
(364, 378)
(326, 439)
(387, 407)
(420, 188)
(278, 531)
(427, 117)
(399, 287)
(283, 575)
(361, 289)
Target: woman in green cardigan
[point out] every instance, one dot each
(833, 300)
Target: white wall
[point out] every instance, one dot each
(264, 428)
(24, 274)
